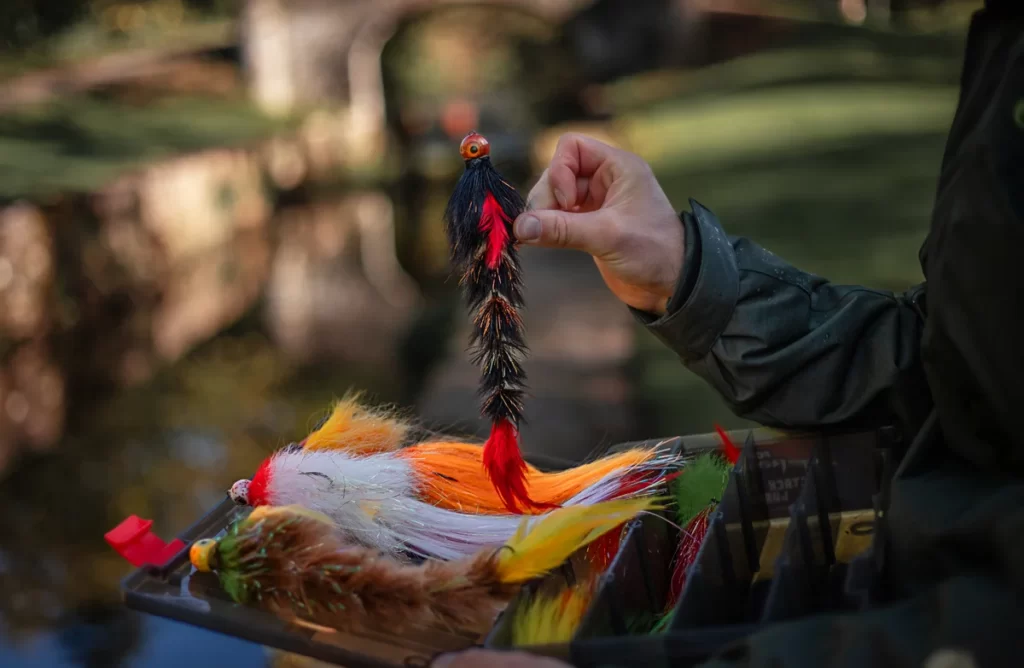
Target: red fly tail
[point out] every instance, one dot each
(506, 468)
(732, 453)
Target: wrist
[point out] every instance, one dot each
(674, 266)
(659, 307)
(685, 262)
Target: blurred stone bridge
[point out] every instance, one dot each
(287, 43)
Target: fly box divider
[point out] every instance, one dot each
(634, 591)
(554, 584)
(828, 541)
(727, 584)
(630, 591)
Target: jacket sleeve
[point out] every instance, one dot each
(785, 348)
(939, 627)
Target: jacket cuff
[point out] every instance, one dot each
(706, 293)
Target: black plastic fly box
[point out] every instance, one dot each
(792, 536)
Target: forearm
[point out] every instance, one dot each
(785, 348)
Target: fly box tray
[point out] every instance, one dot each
(774, 550)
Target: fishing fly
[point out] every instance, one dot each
(478, 222)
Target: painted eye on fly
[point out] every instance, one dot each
(203, 554)
(474, 146)
(239, 493)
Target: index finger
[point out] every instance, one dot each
(576, 157)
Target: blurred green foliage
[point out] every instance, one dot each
(78, 144)
(23, 22)
(42, 33)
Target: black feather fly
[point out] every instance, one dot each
(478, 222)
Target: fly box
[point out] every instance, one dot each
(792, 535)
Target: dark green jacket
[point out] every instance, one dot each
(944, 362)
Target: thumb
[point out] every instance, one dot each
(551, 228)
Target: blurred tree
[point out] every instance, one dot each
(295, 52)
(23, 22)
(26, 23)
(216, 7)
(615, 38)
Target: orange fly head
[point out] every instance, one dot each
(474, 146)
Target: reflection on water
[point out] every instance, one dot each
(118, 637)
(336, 289)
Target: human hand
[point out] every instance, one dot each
(606, 201)
(479, 658)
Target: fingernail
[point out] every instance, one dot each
(528, 229)
(559, 196)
